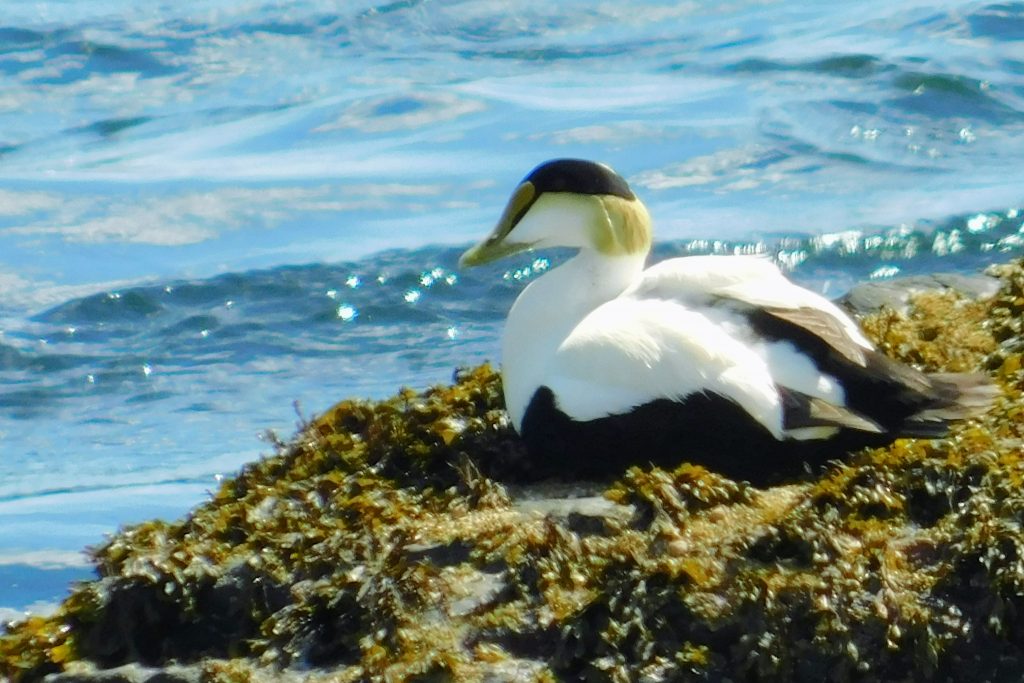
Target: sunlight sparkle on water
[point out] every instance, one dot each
(789, 260)
(884, 272)
(347, 313)
(945, 244)
(982, 222)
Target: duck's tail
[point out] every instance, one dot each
(957, 396)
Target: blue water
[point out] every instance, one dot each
(211, 210)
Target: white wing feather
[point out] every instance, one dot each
(630, 351)
(750, 280)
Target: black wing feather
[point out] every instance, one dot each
(824, 328)
(896, 396)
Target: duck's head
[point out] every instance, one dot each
(568, 203)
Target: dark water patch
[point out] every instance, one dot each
(745, 41)
(230, 114)
(14, 38)
(486, 34)
(104, 58)
(898, 151)
(397, 106)
(119, 372)
(524, 35)
(805, 157)
(549, 53)
(149, 397)
(281, 28)
(14, 359)
(183, 34)
(58, 362)
(847, 158)
(11, 358)
(849, 66)
(110, 127)
(774, 156)
(390, 314)
(29, 402)
(191, 325)
(962, 86)
(217, 290)
(391, 7)
(241, 330)
(101, 421)
(855, 107)
(202, 407)
(132, 304)
(1003, 22)
(81, 59)
(938, 96)
(844, 66)
(878, 164)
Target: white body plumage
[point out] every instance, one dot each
(610, 336)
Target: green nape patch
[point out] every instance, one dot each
(379, 544)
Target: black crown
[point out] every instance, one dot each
(578, 176)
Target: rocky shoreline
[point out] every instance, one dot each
(389, 541)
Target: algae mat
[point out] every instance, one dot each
(379, 544)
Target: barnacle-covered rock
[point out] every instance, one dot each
(389, 541)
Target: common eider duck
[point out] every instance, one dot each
(716, 360)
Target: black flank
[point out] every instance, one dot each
(704, 429)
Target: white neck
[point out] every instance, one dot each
(549, 309)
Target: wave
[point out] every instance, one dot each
(112, 341)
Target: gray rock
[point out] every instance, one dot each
(84, 672)
(477, 590)
(868, 297)
(129, 673)
(586, 516)
(515, 671)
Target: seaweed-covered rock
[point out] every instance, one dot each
(385, 542)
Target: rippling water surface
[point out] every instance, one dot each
(210, 210)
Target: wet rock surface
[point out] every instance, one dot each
(390, 541)
(129, 673)
(869, 297)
